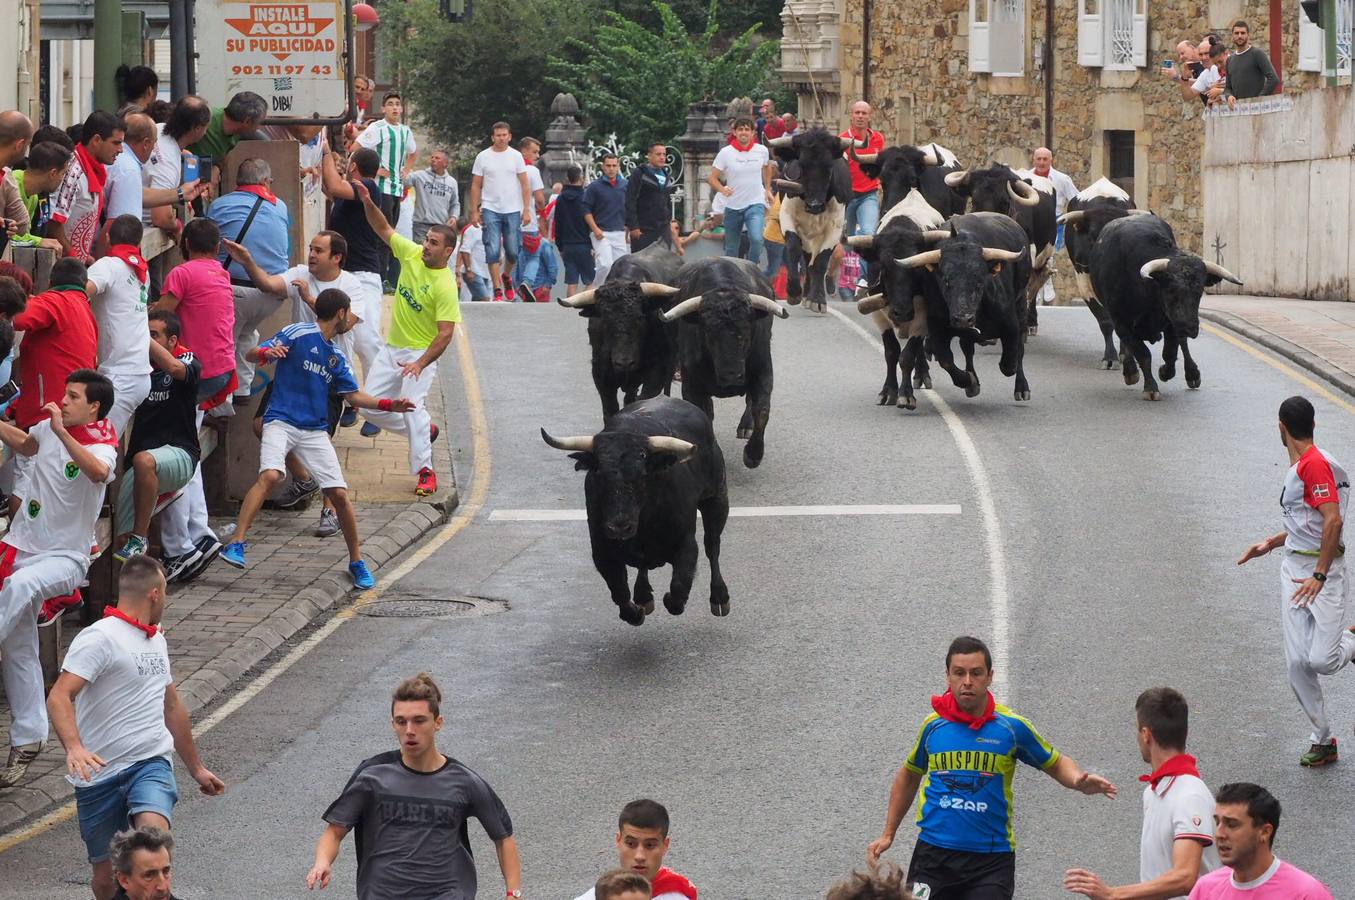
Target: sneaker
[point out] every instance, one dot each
(135, 546)
(526, 290)
(20, 758)
(328, 526)
(361, 575)
(209, 548)
(176, 566)
(297, 492)
(428, 483)
(1319, 755)
(349, 417)
(234, 554)
(542, 294)
(55, 606)
(369, 430)
(509, 295)
(498, 295)
(433, 432)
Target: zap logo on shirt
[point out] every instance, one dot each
(72, 471)
(34, 507)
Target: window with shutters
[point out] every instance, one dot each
(1311, 39)
(1112, 34)
(997, 37)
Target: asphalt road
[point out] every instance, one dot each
(772, 734)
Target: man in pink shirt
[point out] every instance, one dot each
(1246, 818)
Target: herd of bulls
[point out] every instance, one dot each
(938, 275)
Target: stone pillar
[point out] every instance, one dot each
(813, 57)
(705, 135)
(565, 139)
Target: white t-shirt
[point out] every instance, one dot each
(501, 191)
(301, 310)
(1208, 78)
(62, 505)
(534, 184)
(1180, 808)
(743, 172)
(393, 145)
(120, 309)
(1309, 484)
(122, 193)
(120, 712)
(473, 243)
(164, 169)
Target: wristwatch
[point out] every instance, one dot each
(180, 193)
(515, 894)
(1321, 577)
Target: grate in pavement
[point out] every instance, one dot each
(418, 608)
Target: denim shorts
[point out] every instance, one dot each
(106, 808)
(502, 235)
(578, 260)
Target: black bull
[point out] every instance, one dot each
(650, 469)
(634, 350)
(1083, 221)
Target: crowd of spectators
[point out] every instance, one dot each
(1217, 74)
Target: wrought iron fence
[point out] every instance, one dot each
(590, 157)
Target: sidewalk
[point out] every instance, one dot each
(1318, 335)
(228, 620)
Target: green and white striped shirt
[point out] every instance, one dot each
(392, 143)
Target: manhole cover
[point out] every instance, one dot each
(425, 608)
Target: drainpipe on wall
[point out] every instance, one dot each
(1049, 74)
(1277, 42)
(865, 50)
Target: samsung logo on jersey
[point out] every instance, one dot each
(316, 369)
(966, 805)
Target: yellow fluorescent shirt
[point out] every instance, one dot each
(424, 297)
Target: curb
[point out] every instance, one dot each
(1306, 359)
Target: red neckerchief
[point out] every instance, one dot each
(100, 432)
(948, 708)
(1181, 764)
(611, 181)
(669, 882)
(1044, 174)
(742, 148)
(258, 190)
(112, 612)
(131, 255)
(96, 173)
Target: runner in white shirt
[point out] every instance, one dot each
(116, 711)
(500, 202)
(1312, 572)
(745, 168)
(471, 265)
(46, 552)
(1176, 846)
(117, 289)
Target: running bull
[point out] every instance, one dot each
(1151, 289)
(901, 169)
(651, 468)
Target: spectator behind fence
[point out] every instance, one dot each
(187, 123)
(136, 85)
(60, 336)
(142, 861)
(15, 133)
(572, 234)
(238, 121)
(128, 192)
(199, 291)
(163, 450)
(437, 199)
(1211, 84)
(45, 554)
(117, 713)
(253, 216)
(15, 288)
(1187, 68)
(78, 207)
(117, 290)
(791, 124)
(46, 170)
(649, 199)
(880, 881)
(1250, 73)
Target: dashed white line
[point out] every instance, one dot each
(750, 512)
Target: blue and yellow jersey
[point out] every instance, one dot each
(965, 800)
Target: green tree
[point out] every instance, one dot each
(638, 82)
(736, 16)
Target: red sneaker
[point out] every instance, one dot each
(55, 606)
(542, 294)
(509, 294)
(428, 483)
(498, 295)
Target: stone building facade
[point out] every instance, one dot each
(1085, 80)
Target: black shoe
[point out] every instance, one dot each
(176, 566)
(208, 549)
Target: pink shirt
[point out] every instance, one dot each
(1280, 882)
(207, 311)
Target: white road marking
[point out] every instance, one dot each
(999, 602)
(749, 512)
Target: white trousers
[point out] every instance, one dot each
(386, 381)
(37, 577)
(252, 307)
(364, 342)
(128, 393)
(1316, 641)
(184, 522)
(612, 247)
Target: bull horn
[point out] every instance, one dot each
(767, 304)
(1072, 218)
(583, 442)
(582, 298)
(1219, 271)
(1023, 193)
(1138, 212)
(866, 158)
(686, 307)
(860, 241)
(1153, 266)
(996, 254)
(873, 303)
(956, 179)
(930, 159)
(662, 443)
(780, 143)
(788, 187)
(936, 234)
(852, 143)
(654, 289)
(926, 258)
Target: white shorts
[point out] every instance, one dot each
(313, 448)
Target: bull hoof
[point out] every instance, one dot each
(1021, 395)
(1107, 364)
(1152, 395)
(973, 389)
(632, 614)
(750, 459)
(924, 381)
(888, 398)
(648, 608)
(743, 434)
(1032, 331)
(1166, 372)
(793, 301)
(673, 605)
(907, 403)
(816, 306)
(1193, 381)
(719, 609)
(1131, 376)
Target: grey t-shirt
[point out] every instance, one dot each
(436, 197)
(1250, 74)
(410, 828)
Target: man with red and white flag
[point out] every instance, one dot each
(74, 456)
(1313, 505)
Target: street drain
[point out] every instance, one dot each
(420, 608)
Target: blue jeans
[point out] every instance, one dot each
(502, 235)
(863, 217)
(109, 806)
(478, 287)
(539, 269)
(754, 219)
(776, 258)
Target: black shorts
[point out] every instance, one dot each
(936, 873)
